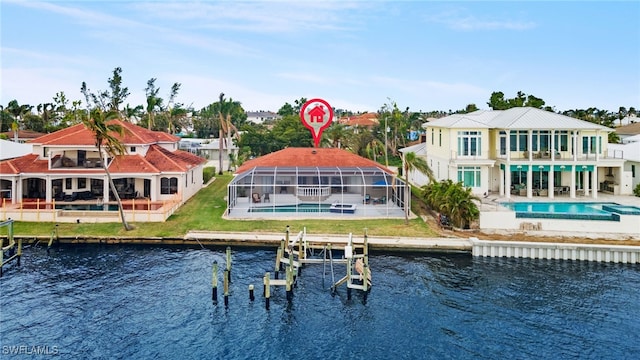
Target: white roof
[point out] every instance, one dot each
(516, 118)
(10, 149)
(630, 151)
(418, 149)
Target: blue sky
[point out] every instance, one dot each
(356, 55)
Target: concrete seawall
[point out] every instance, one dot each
(557, 251)
(473, 246)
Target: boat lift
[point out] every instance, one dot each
(294, 252)
(13, 249)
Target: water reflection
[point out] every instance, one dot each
(156, 302)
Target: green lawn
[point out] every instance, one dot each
(204, 212)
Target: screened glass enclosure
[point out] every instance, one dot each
(279, 192)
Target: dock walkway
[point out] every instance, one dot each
(375, 242)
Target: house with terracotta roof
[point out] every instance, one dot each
(65, 167)
(366, 120)
(312, 183)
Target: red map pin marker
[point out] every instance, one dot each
(316, 115)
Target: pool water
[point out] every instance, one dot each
(559, 207)
(607, 211)
(304, 207)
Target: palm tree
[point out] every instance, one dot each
(104, 133)
(225, 128)
(412, 162)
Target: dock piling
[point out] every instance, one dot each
(226, 288)
(214, 283)
(229, 262)
(251, 297)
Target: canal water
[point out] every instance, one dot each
(133, 302)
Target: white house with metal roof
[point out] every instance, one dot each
(631, 153)
(526, 152)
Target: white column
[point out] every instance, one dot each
(550, 181)
(598, 141)
(49, 190)
(594, 182)
(105, 189)
(530, 183)
(530, 144)
(14, 190)
(153, 192)
(507, 181)
(18, 195)
(572, 188)
(574, 144)
(508, 145)
(553, 147)
(585, 182)
(501, 186)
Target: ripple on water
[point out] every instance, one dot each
(155, 302)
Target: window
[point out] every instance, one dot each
(561, 140)
(168, 185)
(590, 144)
(503, 142)
(469, 175)
(82, 183)
(132, 149)
(440, 138)
(633, 171)
(519, 140)
(68, 184)
(469, 143)
(432, 136)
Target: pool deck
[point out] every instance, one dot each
(585, 229)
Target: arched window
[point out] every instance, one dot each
(168, 185)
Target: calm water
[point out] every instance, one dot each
(152, 302)
(559, 207)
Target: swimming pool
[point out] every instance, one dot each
(571, 210)
(303, 208)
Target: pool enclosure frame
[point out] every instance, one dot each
(374, 191)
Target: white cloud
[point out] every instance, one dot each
(462, 19)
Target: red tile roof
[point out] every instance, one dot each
(366, 120)
(157, 160)
(79, 135)
(310, 157)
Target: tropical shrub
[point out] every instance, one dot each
(636, 190)
(207, 173)
(453, 200)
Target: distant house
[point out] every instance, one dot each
(22, 136)
(627, 131)
(630, 151)
(258, 117)
(10, 149)
(65, 166)
(366, 120)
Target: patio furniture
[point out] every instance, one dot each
(342, 208)
(256, 198)
(367, 199)
(266, 198)
(382, 200)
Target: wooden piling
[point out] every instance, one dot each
(278, 258)
(214, 283)
(19, 250)
(267, 290)
(288, 286)
(251, 297)
(226, 288)
(229, 262)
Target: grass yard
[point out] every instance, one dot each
(204, 212)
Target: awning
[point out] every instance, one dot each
(562, 167)
(580, 168)
(519, 167)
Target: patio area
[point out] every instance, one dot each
(288, 206)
